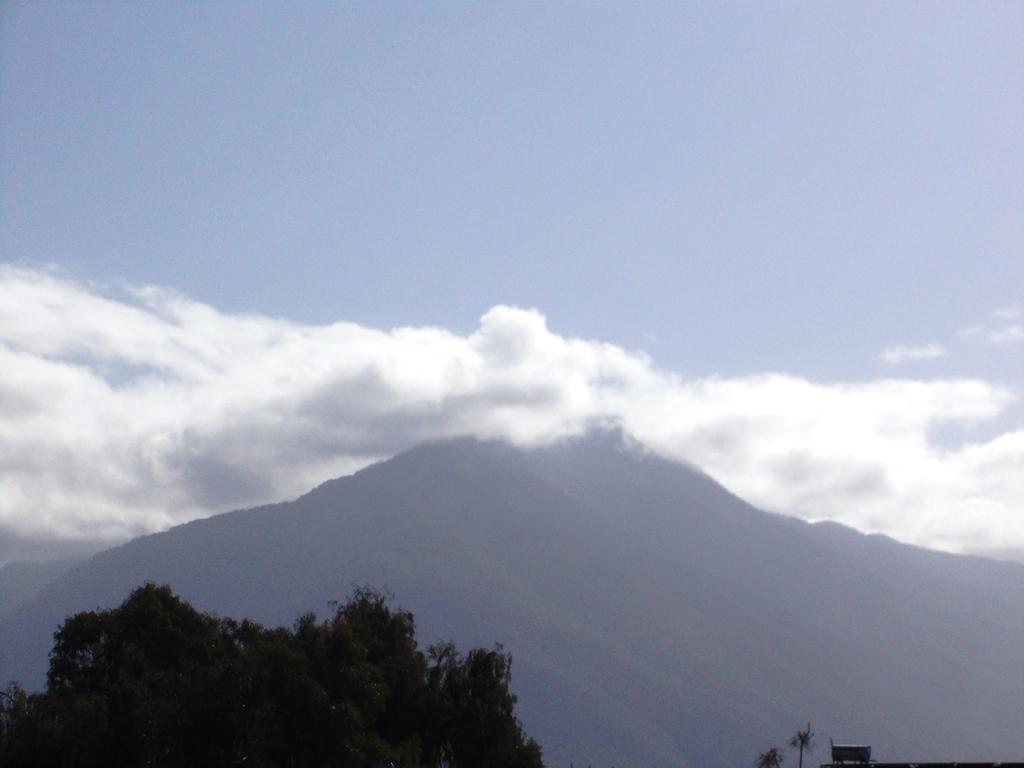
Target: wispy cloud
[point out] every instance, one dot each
(1007, 314)
(1003, 328)
(1007, 334)
(899, 353)
(125, 413)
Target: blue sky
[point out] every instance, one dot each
(733, 189)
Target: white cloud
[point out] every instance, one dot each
(899, 353)
(121, 414)
(1007, 334)
(1007, 314)
(1003, 329)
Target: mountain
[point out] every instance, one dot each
(20, 581)
(654, 618)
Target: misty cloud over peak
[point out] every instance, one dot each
(126, 411)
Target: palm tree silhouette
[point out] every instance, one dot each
(803, 739)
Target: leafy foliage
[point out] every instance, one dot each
(157, 683)
(771, 758)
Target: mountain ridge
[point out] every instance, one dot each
(653, 617)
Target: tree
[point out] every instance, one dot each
(770, 759)
(801, 740)
(155, 682)
(472, 707)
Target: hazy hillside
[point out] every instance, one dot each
(654, 619)
(21, 581)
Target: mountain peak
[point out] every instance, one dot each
(654, 617)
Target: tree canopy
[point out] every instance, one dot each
(772, 758)
(157, 683)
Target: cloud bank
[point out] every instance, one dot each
(130, 411)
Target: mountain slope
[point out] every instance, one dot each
(20, 581)
(653, 617)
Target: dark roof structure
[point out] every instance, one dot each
(923, 765)
(859, 756)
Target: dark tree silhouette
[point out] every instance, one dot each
(472, 706)
(802, 740)
(157, 683)
(769, 759)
